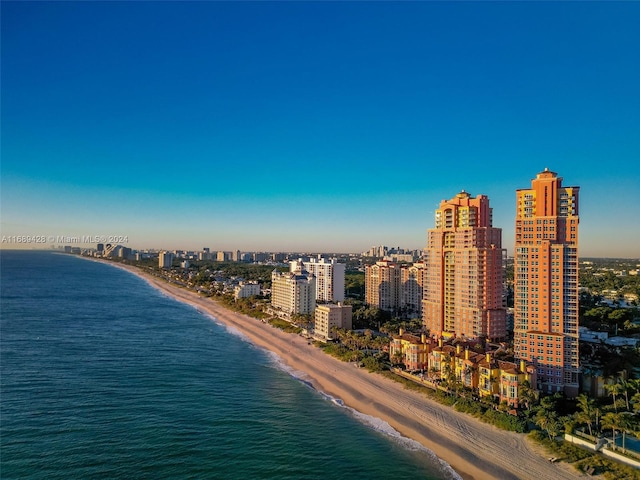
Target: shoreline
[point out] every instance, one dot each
(473, 449)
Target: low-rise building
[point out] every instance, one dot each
(246, 289)
(488, 374)
(511, 380)
(483, 373)
(412, 350)
(328, 316)
(465, 366)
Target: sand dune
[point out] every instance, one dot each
(474, 449)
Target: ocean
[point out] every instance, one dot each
(102, 376)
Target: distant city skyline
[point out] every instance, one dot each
(313, 126)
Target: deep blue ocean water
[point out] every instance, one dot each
(103, 376)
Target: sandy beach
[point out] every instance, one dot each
(474, 449)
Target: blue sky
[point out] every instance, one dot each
(313, 126)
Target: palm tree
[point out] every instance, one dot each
(626, 386)
(635, 385)
(587, 411)
(334, 331)
(635, 400)
(397, 357)
(349, 340)
(614, 390)
(526, 395)
(449, 375)
(625, 424)
(548, 421)
(553, 428)
(612, 420)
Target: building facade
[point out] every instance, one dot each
(395, 287)
(411, 285)
(487, 376)
(411, 350)
(165, 259)
(222, 256)
(246, 289)
(329, 275)
(382, 285)
(546, 282)
(293, 293)
(328, 316)
(463, 285)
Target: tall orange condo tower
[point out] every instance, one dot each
(463, 282)
(546, 282)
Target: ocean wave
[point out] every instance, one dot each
(386, 429)
(332, 399)
(228, 328)
(297, 374)
(372, 422)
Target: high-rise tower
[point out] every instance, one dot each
(395, 287)
(382, 285)
(546, 281)
(464, 271)
(329, 275)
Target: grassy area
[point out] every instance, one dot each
(284, 326)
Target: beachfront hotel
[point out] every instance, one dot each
(546, 282)
(329, 277)
(464, 271)
(293, 293)
(395, 287)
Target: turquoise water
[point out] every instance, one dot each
(104, 377)
(630, 442)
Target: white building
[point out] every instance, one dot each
(248, 289)
(165, 259)
(293, 293)
(328, 316)
(329, 277)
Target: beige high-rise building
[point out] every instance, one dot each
(293, 293)
(223, 256)
(382, 285)
(546, 282)
(165, 259)
(395, 287)
(463, 290)
(411, 289)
